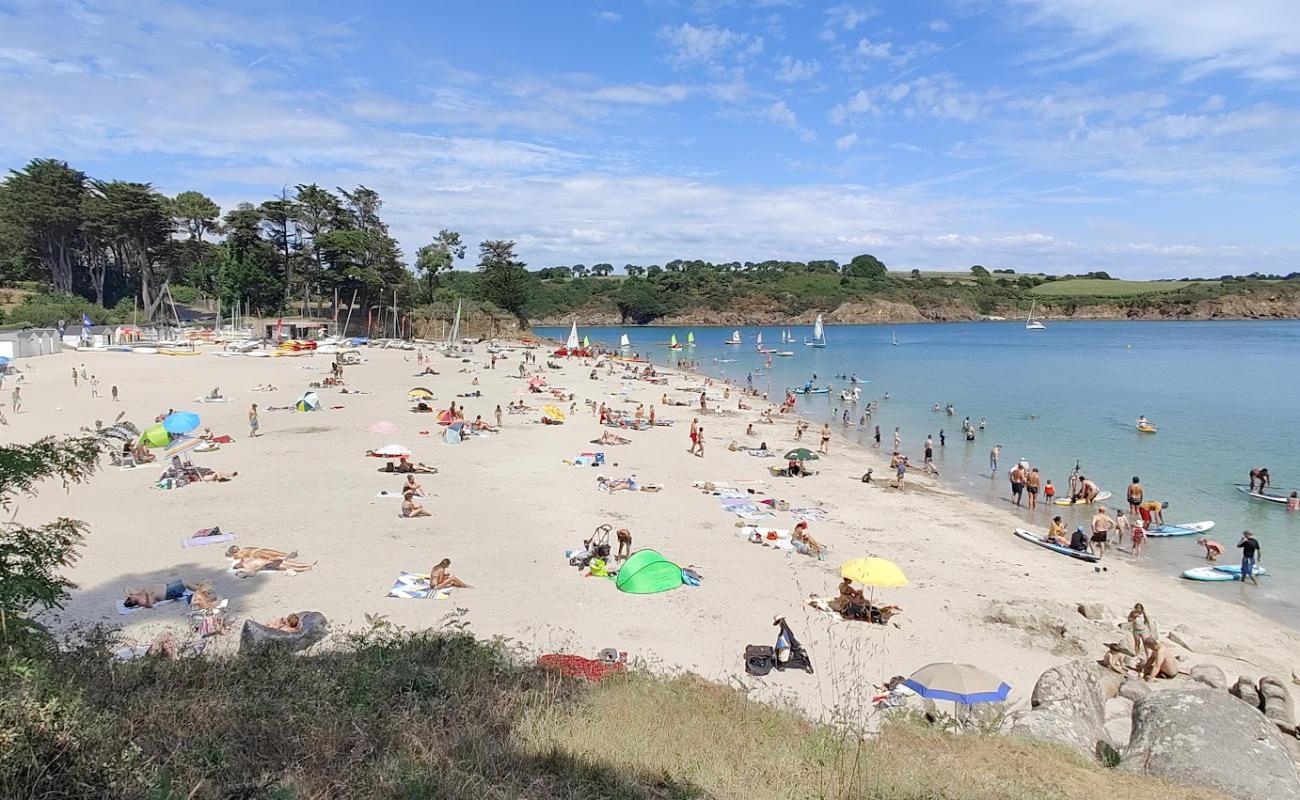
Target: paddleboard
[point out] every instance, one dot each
(1270, 497)
(1065, 501)
(145, 350)
(1055, 548)
(810, 391)
(1183, 529)
(1217, 574)
(1235, 569)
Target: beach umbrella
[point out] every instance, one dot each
(181, 445)
(181, 422)
(308, 402)
(801, 454)
(420, 393)
(960, 683)
(874, 572)
(392, 451)
(553, 413)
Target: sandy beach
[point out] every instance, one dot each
(505, 508)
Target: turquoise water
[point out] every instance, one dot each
(1223, 394)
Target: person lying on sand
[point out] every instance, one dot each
(236, 552)
(611, 438)
(151, 596)
(623, 484)
(214, 476)
(440, 578)
(427, 371)
(246, 567)
(410, 508)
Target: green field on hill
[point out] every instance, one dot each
(1090, 287)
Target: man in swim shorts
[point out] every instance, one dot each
(148, 598)
(1135, 493)
(1101, 527)
(1017, 483)
(1032, 482)
(1260, 475)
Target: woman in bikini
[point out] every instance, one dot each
(440, 578)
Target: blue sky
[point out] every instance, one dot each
(1155, 138)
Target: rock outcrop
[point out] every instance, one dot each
(1068, 706)
(1203, 737)
(1277, 703)
(1210, 675)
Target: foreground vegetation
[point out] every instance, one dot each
(397, 715)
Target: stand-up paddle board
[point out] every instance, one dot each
(1034, 538)
(1181, 529)
(1065, 501)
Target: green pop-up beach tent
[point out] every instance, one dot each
(648, 572)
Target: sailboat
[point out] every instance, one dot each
(672, 343)
(819, 334)
(586, 343)
(624, 342)
(453, 335)
(735, 338)
(1032, 324)
(759, 345)
(787, 337)
(570, 344)
(893, 337)
(690, 338)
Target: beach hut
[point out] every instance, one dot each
(648, 572)
(308, 402)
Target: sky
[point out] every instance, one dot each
(1147, 138)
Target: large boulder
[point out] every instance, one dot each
(1278, 706)
(1210, 675)
(312, 627)
(1094, 611)
(1068, 706)
(1245, 689)
(1064, 637)
(1203, 737)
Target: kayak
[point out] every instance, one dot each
(1269, 496)
(811, 391)
(1055, 548)
(1146, 428)
(1218, 574)
(1182, 529)
(1065, 501)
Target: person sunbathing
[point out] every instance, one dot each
(427, 371)
(236, 552)
(149, 597)
(214, 476)
(289, 624)
(245, 567)
(611, 438)
(440, 578)
(410, 508)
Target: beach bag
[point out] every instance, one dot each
(759, 659)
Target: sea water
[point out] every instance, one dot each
(1223, 394)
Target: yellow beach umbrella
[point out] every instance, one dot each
(874, 572)
(420, 392)
(553, 413)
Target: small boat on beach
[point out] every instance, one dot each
(1180, 529)
(1034, 538)
(813, 390)
(1272, 497)
(1065, 501)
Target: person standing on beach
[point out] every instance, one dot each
(695, 434)
(114, 392)
(1249, 556)
(498, 415)
(898, 439)
(1135, 492)
(94, 386)
(993, 457)
(1101, 527)
(17, 399)
(252, 421)
(826, 439)
(1032, 481)
(877, 444)
(699, 441)
(1017, 483)
(74, 376)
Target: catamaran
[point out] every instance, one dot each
(672, 343)
(453, 335)
(819, 334)
(735, 338)
(1032, 324)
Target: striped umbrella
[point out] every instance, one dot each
(960, 683)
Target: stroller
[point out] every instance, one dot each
(787, 654)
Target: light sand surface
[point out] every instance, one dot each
(506, 507)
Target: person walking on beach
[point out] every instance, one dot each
(826, 439)
(877, 444)
(498, 415)
(114, 392)
(1101, 527)
(699, 442)
(695, 434)
(17, 399)
(1249, 556)
(993, 457)
(1032, 481)
(1135, 492)
(252, 421)
(74, 376)
(94, 386)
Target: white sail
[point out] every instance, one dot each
(624, 342)
(454, 334)
(735, 336)
(572, 342)
(819, 331)
(1031, 324)
(760, 339)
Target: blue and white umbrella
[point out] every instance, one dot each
(960, 683)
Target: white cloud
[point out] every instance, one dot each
(793, 70)
(846, 142)
(1259, 39)
(1213, 103)
(608, 16)
(846, 17)
(782, 115)
(874, 50)
(691, 45)
(938, 26)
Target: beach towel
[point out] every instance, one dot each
(223, 439)
(410, 586)
(809, 514)
(731, 493)
(737, 502)
(578, 667)
(739, 507)
(199, 541)
(759, 516)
